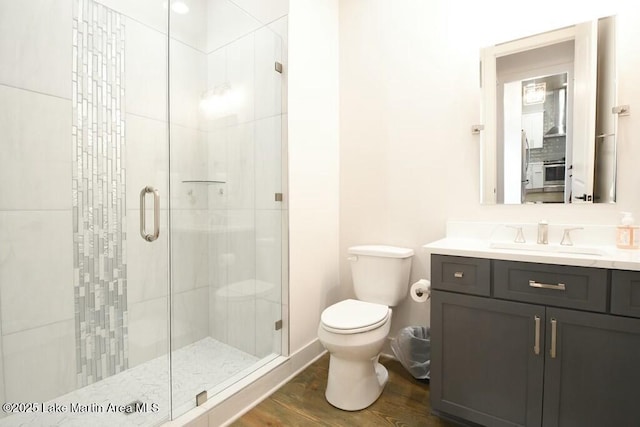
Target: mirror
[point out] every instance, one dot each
(548, 113)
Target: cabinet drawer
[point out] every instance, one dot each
(461, 274)
(625, 293)
(558, 285)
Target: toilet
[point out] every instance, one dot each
(354, 331)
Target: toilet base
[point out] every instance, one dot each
(355, 384)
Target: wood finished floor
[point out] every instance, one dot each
(301, 402)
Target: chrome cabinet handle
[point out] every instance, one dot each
(554, 336)
(458, 274)
(536, 343)
(156, 214)
(558, 287)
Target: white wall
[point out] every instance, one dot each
(409, 95)
(313, 165)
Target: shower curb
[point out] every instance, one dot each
(246, 394)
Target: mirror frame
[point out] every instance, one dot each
(585, 106)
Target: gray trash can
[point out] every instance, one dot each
(412, 347)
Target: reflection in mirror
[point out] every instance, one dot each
(536, 120)
(549, 129)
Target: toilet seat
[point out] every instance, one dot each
(352, 317)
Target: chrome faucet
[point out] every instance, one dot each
(543, 233)
(519, 236)
(566, 237)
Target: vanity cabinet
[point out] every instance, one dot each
(540, 348)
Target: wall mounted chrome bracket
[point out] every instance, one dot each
(622, 110)
(475, 129)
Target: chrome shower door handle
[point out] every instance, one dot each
(156, 214)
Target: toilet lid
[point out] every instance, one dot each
(350, 315)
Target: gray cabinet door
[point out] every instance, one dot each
(625, 293)
(594, 377)
(484, 367)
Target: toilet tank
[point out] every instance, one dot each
(380, 273)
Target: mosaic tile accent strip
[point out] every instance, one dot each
(99, 222)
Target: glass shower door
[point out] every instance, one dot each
(84, 292)
(227, 198)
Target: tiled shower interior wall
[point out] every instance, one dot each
(227, 226)
(226, 245)
(36, 237)
(246, 152)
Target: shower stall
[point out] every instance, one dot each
(143, 215)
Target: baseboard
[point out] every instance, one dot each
(251, 391)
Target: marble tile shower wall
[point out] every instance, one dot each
(36, 247)
(233, 238)
(148, 158)
(38, 341)
(147, 164)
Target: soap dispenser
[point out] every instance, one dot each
(628, 234)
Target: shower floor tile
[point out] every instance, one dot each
(204, 365)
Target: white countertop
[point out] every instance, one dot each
(480, 246)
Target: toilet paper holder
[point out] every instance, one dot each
(420, 288)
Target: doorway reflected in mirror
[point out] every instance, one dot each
(540, 141)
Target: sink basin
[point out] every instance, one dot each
(553, 248)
